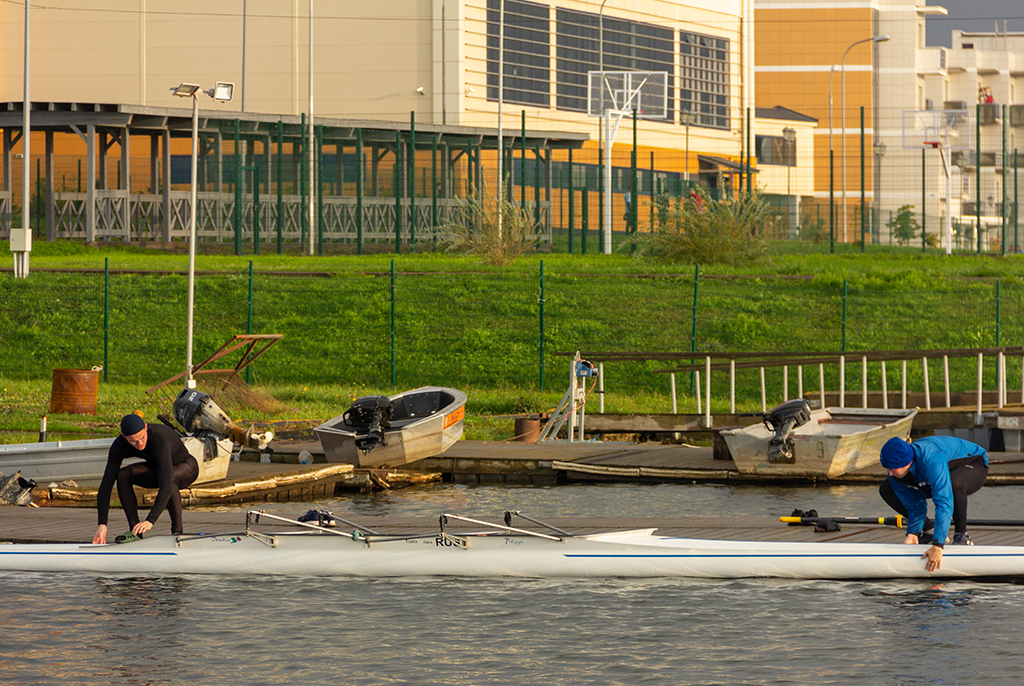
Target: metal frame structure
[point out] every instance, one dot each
(101, 213)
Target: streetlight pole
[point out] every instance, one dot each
(831, 169)
(842, 66)
(501, 97)
(222, 91)
(309, 146)
(193, 206)
(603, 139)
(21, 241)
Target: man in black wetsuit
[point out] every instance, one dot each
(167, 466)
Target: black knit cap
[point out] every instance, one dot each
(132, 424)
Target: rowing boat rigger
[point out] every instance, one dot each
(501, 551)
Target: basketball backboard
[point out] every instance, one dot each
(621, 92)
(926, 129)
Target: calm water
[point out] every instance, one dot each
(84, 629)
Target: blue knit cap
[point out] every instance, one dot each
(132, 424)
(896, 453)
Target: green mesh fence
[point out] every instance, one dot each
(486, 330)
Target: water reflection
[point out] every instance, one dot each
(143, 628)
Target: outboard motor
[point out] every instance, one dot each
(782, 420)
(372, 414)
(199, 415)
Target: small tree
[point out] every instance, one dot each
(702, 230)
(474, 230)
(903, 226)
(814, 230)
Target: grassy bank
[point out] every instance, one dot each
(450, 320)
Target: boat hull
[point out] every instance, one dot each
(408, 440)
(835, 441)
(636, 554)
(85, 460)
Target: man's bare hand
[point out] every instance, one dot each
(934, 557)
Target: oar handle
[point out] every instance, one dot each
(898, 521)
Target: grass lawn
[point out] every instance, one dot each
(466, 324)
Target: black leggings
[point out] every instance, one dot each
(965, 479)
(139, 474)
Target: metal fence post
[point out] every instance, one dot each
(397, 176)
(256, 210)
(280, 190)
(999, 308)
(522, 166)
(541, 312)
(977, 172)
(393, 297)
(536, 189)
(1004, 159)
(633, 214)
(359, 191)
(248, 323)
(572, 207)
(300, 150)
(924, 217)
(433, 187)
(106, 317)
(831, 201)
(652, 192)
(238, 190)
(693, 327)
(319, 157)
(412, 181)
(585, 211)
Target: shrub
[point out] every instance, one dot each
(475, 230)
(705, 231)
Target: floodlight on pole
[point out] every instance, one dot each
(842, 67)
(222, 92)
(186, 90)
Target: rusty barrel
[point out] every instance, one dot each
(74, 391)
(527, 429)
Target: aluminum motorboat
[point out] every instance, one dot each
(794, 440)
(378, 431)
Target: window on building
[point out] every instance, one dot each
(628, 46)
(704, 79)
(775, 150)
(578, 52)
(527, 64)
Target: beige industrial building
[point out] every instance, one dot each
(421, 65)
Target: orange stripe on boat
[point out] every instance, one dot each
(454, 417)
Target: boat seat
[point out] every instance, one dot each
(405, 421)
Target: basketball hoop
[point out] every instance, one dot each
(945, 131)
(617, 94)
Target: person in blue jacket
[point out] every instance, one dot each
(942, 468)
